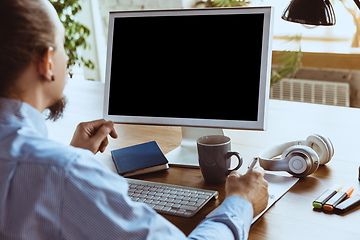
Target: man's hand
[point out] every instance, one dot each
(93, 135)
(252, 186)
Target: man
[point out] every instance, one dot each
(52, 191)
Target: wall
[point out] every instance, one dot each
(86, 18)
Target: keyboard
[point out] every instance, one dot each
(170, 199)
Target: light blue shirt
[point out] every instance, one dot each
(52, 191)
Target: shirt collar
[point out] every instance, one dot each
(16, 112)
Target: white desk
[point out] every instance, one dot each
(290, 218)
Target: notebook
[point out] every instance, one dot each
(139, 159)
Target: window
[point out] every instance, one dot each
(331, 39)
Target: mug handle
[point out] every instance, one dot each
(229, 155)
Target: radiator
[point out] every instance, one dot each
(310, 91)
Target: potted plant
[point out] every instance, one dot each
(76, 33)
(223, 3)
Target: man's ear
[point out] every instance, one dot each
(45, 64)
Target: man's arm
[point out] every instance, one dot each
(96, 205)
(247, 196)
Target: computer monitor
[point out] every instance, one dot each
(201, 69)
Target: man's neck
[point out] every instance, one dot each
(30, 89)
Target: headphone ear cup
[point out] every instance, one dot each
(303, 160)
(329, 144)
(322, 146)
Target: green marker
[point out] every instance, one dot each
(320, 201)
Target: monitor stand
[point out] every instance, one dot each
(186, 155)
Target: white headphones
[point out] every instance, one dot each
(299, 158)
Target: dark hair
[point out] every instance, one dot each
(26, 33)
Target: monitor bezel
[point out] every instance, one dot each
(266, 55)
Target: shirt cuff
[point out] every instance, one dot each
(235, 207)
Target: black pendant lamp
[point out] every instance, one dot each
(311, 12)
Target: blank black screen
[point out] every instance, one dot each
(205, 67)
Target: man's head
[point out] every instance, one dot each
(32, 55)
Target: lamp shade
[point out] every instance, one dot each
(312, 12)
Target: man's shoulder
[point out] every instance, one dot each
(38, 152)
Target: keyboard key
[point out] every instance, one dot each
(188, 207)
(198, 204)
(181, 211)
(203, 196)
(165, 209)
(194, 195)
(158, 207)
(179, 197)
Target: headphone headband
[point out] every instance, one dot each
(271, 152)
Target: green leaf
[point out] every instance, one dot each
(75, 32)
(289, 61)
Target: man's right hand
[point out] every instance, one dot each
(252, 187)
(93, 135)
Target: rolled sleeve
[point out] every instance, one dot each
(231, 220)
